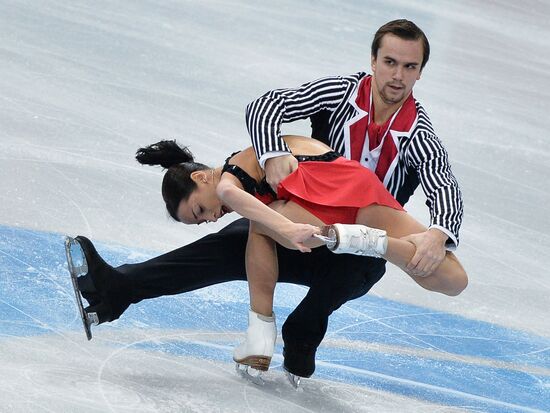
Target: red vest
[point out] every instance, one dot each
(379, 152)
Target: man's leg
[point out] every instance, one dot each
(211, 260)
(216, 258)
(341, 280)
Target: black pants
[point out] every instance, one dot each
(333, 279)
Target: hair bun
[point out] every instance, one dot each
(164, 153)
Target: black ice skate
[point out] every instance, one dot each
(293, 379)
(299, 362)
(78, 266)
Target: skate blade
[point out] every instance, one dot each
(329, 236)
(293, 379)
(326, 240)
(250, 374)
(76, 262)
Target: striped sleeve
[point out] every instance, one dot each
(265, 115)
(444, 198)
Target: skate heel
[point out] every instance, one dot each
(260, 363)
(92, 319)
(253, 356)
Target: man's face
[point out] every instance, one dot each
(396, 68)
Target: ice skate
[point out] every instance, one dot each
(253, 356)
(299, 362)
(78, 266)
(293, 379)
(354, 239)
(105, 289)
(250, 374)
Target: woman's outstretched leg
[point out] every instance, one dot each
(448, 278)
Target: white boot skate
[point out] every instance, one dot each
(256, 351)
(355, 239)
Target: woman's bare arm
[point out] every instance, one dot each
(249, 207)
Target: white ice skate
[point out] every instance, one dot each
(355, 239)
(257, 350)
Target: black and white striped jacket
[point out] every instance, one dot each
(330, 104)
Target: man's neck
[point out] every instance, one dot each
(382, 110)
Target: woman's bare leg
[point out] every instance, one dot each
(449, 278)
(297, 214)
(261, 255)
(262, 270)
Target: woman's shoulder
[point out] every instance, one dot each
(240, 156)
(245, 160)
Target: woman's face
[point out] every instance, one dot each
(203, 205)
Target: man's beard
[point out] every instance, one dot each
(391, 100)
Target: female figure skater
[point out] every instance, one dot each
(327, 200)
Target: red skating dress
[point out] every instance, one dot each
(329, 186)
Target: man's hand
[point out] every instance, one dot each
(278, 168)
(430, 251)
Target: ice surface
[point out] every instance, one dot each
(84, 84)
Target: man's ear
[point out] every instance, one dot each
(373, 63)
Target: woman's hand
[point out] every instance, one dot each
(297, 234)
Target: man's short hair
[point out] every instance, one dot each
(406, 30)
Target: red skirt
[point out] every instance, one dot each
(334, 191)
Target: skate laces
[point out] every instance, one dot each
(367, 241)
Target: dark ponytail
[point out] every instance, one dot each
(177, 184)
(164, 153)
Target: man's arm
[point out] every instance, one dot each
(265, 115)
(444, 200)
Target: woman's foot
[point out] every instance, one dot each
(257, 349)
(356, 239)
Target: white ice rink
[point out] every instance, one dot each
(83, 84)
